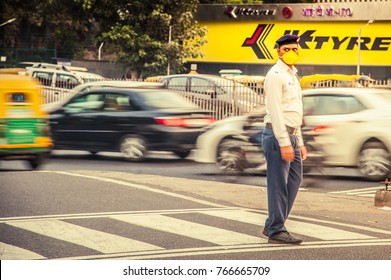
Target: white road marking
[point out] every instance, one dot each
(227, 241)
(93, 239)
(363, 192)
(10, 252)
(197, 231)
(253, 248)
(306, 229)
(113, 246)
(107, 214)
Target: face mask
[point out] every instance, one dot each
(290, 57)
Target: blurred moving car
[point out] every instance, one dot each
(354, 127)
(24, 127)
(132, 121)
(224, 96)
(85, 87)
(235, 145)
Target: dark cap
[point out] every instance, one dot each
(287, 39)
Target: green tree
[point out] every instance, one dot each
(61, 25)
(149, 36)
(256, 2)
(288, 1)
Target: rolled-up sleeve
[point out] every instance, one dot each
(274, 95)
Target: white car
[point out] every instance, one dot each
(59, 76)
(354, 127)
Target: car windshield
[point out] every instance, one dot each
(164, 100)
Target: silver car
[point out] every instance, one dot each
(225, 97)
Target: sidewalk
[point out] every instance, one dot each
(337, 207)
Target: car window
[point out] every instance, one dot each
(85, 104)
(201, 86)
(118, 102)
(66, 81)
(44, 78)
(164, 100)
(331, 105)
(177, 83)
(226, 85)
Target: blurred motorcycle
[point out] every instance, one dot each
(243, 152)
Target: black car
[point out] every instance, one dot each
(132, 121)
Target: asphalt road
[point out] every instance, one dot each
(78, 207)
(334, 179)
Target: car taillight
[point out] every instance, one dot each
(323, 129)
(184, 122)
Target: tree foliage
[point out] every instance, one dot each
(231, 2)
(147, 36)
(150, 35)
(45, 24)
(288, 1)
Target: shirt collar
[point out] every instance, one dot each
(286, 67)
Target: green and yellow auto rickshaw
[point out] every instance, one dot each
(24, 128)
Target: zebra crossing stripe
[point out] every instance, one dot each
(110, 244)
(302, 228)
(189, 229)
(100, 241)
(363, 192)
(10, 252)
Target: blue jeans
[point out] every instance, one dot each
(283, 181)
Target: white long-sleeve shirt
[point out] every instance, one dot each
(284, 106)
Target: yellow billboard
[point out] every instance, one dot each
(321, 43)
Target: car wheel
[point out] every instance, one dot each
(36, 162)
(231, 159)
(133, 148)
(182, 153)
(374, 161)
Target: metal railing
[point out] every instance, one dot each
(223, 102)
(53, 94)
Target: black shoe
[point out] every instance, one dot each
(284, 238)
(264, 232)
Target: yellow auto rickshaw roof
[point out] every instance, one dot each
(248, 78)
(153, 79)
(326, 77)
(15, 81)
(18, 71)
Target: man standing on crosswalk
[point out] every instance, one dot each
(282, 141)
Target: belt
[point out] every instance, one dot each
(291, 130)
